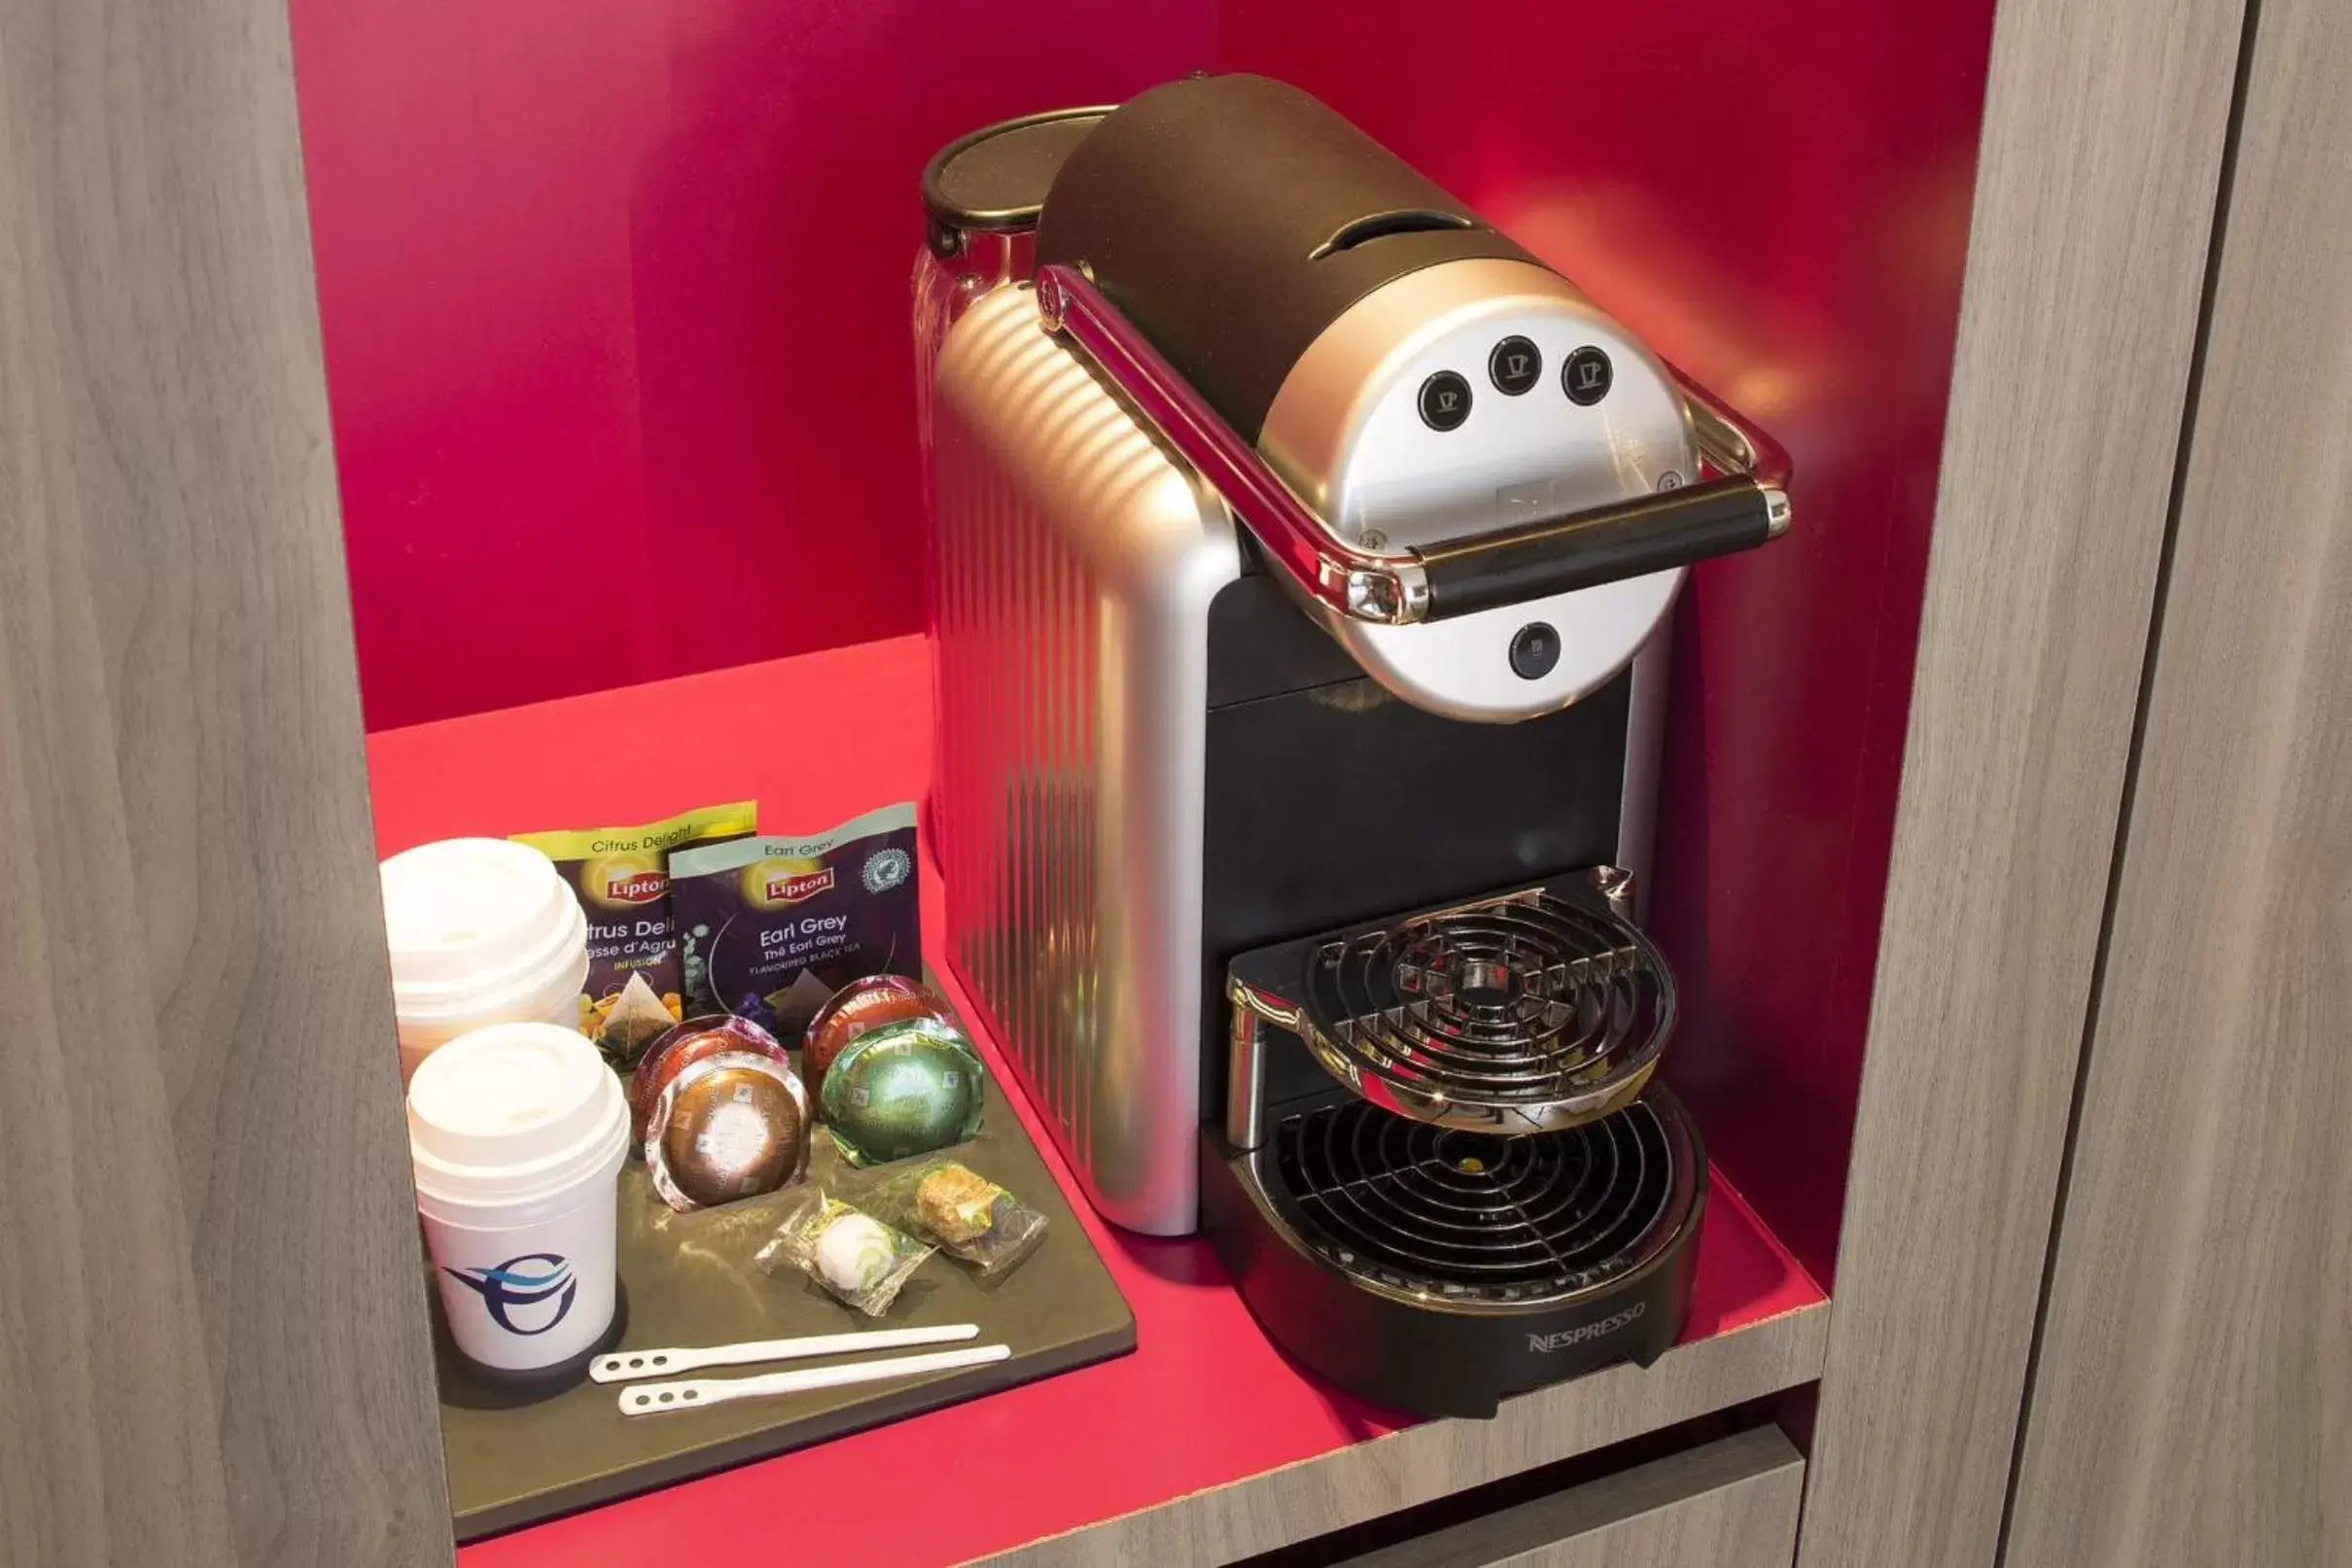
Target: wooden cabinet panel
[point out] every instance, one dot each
(1433, 1459)
(1727, 1504)
(2104, 124)
(213, 1347)
(2192, 1394)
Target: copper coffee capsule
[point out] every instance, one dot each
(679, 1047)
(727, 1127)
(858, 1006)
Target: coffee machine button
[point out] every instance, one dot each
(1514, 365)
(1585, 376)
(1445, 400)
(1534, 650)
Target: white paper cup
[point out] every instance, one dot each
(482, 932)
(517, 1133)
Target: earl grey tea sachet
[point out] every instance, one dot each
(773, 927)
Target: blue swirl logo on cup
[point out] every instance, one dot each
(884, 869)
(518, 1292)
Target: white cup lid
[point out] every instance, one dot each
(509, 1095)
(463, 908)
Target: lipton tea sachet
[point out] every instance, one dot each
(636, 976)
(773, 927)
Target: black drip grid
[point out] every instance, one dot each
(1475, 1217)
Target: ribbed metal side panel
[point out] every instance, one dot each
(1074, 565)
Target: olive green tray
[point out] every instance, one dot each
(516, 1455)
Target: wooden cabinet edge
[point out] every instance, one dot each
(1418, 1464)
(1736, 1494)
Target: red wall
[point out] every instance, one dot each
(615, 301)
(615, 320)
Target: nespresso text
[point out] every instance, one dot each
(1545, 1343)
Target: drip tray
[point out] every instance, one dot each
(1439, 1214)
(1440, 1272)
(1446, 1174)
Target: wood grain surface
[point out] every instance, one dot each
(2193, 1396)
(212, 1342)
(1437, 1458)
(1727, 1504)
(2103, 132)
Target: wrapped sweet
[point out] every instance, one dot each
(902, 1090)
(726, 1127)
(857, 1259)
(862, 1005)
(971, 1217)
(853, 1254)
(955, 1205)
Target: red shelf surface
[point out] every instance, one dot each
(1205, 1400)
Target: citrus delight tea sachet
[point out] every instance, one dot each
(636, 974)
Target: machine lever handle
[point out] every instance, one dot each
(1742, 502)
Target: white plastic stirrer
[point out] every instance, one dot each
(627, 1365)
(656, 1399)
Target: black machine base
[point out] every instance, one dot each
(1337, 1276)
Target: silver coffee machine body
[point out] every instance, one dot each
(1299, 561)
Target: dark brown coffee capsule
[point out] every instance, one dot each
(679, 1047)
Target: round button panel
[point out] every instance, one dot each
(1514, 365)
(1534, 650)
(1585, 376)
(1445, 400)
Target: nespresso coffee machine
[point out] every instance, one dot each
(1305, 550)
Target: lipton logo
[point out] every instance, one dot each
(637, 888)
(1543, 1343)
(790, 889)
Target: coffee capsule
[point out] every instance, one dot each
(730, 1126)
(681, 1046)
(856, 1007)
(902, 1090)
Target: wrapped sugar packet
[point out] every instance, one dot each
(968, 1215)
(857, 1259)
